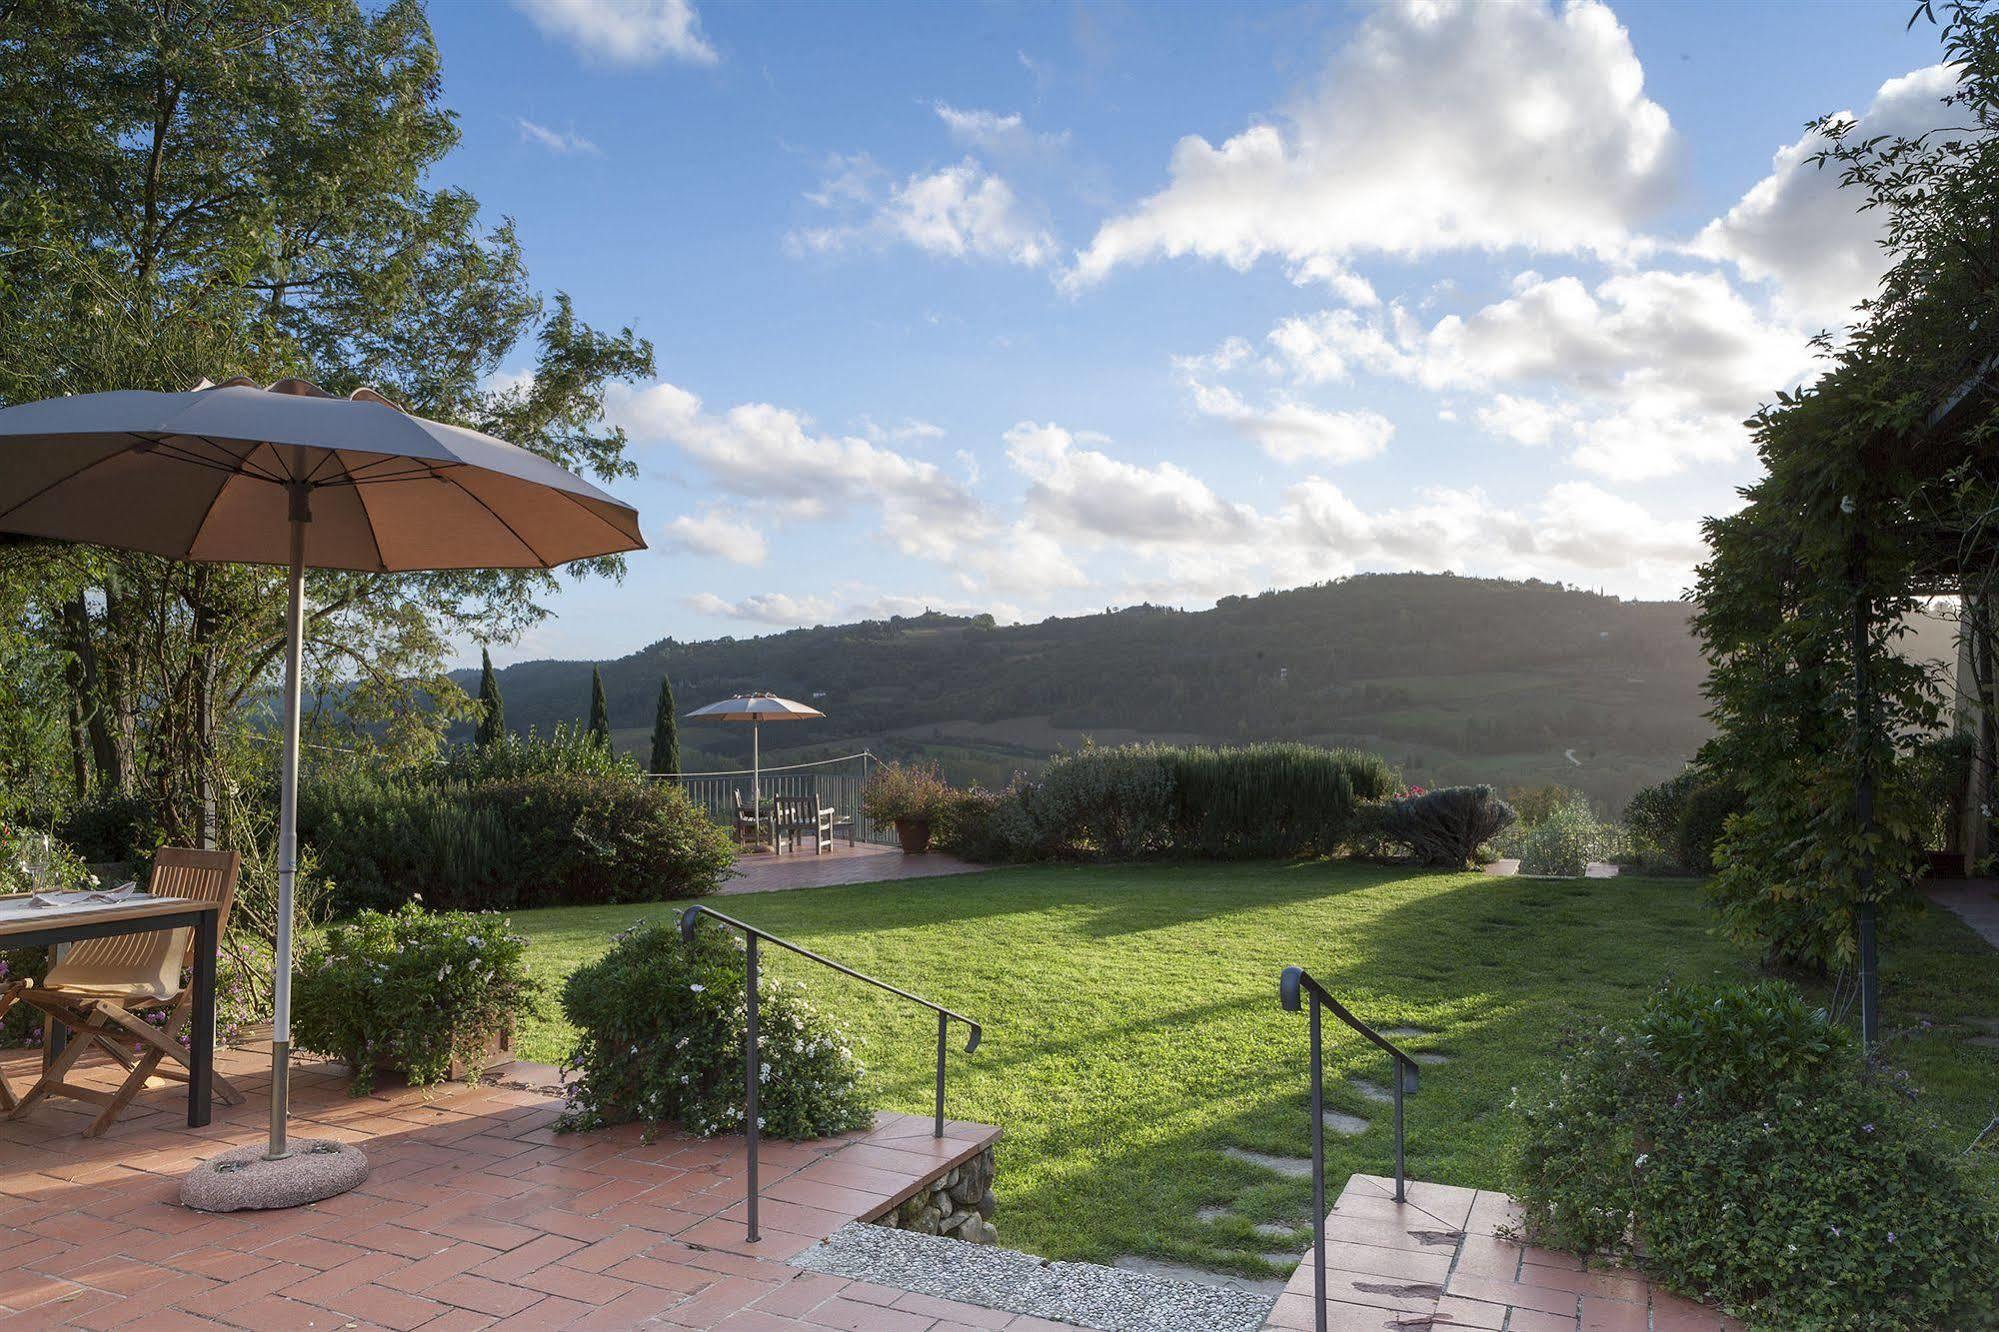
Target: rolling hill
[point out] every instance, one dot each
(1453, 679)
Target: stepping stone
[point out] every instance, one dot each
(1209, 1215)
(1291, 1167)
(1346, 1125)
(1404, 1033)
(1989, 1023)
(1282, 1261)
(1985, 1042)
(1371, 1091)
(1271, 1230)
(1430, 1058)
(1201, 1276)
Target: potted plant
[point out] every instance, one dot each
(429, 996)
(908, 796)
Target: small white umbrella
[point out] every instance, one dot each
(756, 709)
(292, 475)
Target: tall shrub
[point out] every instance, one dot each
(1445, 828)
(545, 839)
(1653, 814)
(662, 1039)
(1270, 799)
(1115, 803)
(1732, 1135)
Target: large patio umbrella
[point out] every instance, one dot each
(292, 475)
(756, 709)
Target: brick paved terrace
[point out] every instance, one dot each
(477, 1214)
(764, 872)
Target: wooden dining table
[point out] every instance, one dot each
(25, 925)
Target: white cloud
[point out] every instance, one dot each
(1190, 542)
(624, 32)
(1524, 420)
(960, 212)
(1798, 229)
(775, 608)
(1084, 493)
(1292, 432)
(556, 141)
(760, 452)
(1443, 125)
(718, 533)
(1647, 372)
(1001, 135)
(786, 611)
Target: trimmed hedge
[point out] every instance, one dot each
(1127, 801)
(550, 839)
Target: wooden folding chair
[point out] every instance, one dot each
(103, 991)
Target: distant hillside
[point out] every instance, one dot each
(1453, 679)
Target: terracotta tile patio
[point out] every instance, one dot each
(1436, 1261)
(762, 872)
(477, 1214)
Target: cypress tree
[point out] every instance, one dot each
(493, 720)
(665, 730)
(600, 710)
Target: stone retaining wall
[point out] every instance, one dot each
(959, 1203)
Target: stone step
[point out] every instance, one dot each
(1090, 1295)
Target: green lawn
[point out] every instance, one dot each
(1133, 1030)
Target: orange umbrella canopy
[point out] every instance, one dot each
(210, 475)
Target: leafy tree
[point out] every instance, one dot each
(665, 730)
(242, 186)
(493, 708)
(599, 729)
(1879, 491)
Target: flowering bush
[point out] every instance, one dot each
(1731, 1135)
(410, 990)
(663, 1030)
(903, 791)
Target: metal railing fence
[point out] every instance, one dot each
(1296, 989)
(753, 1063)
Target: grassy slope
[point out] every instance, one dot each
(1133, 1028)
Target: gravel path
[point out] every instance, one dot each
(1081, 1294)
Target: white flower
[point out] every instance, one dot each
(698, 988)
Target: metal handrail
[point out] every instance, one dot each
(1294, 988)
(753, 1065)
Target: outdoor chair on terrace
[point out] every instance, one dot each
(804, 814)
(745, 826)
(126, 991)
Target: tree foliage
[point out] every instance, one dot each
(665, 730)
(1879, 491)
(195, 188)
(599, 729)
(492, 708)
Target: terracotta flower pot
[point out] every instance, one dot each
(914, 834)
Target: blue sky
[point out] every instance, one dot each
(1043, 308)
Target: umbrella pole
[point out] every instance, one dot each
(281, 1017)
(756, 775)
